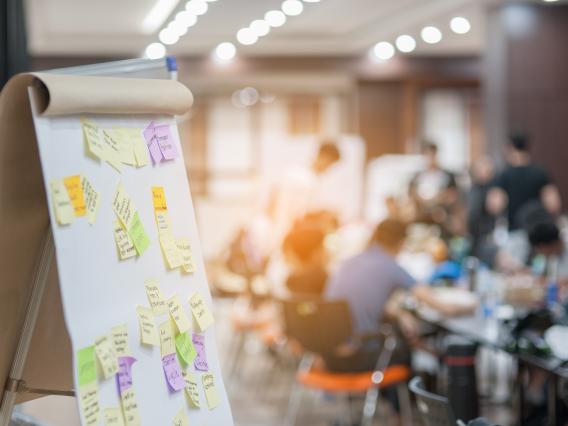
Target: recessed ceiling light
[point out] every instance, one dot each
(460, 25)
(550, 1)
(292, 7)
(167, 36)
(260, 27)
(383, 50)
(155, 51)
(225, 51)
(197, 7)
(405, 43)
(158, 14)
(186, 18)
(311, 1)
(431, 35)
(246, 36)
(275, 18)
(177, 28)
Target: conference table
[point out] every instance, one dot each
(495, 334)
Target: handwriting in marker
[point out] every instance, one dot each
(173, 373)
(200, 361)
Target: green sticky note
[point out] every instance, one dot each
(138, 235)
(185, 348)
(87, 365)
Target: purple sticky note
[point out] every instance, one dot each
(124, 376)
(166, 142)
(173, 373)
(200, 361)
(152, 143)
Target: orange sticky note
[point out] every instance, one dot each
(75, 190)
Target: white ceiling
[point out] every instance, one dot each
(330, 27)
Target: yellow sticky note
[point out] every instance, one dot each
(124, 244)
(92, 200)
(120, 340)
(210, 390)
(191, 389)
(123, 207)
(140, 150)
(125, 146)
(170, 251)
(178, 315)
(138, 235)
(159, 198)
(130, 408)
(113, 417)
(107, 356)
(93, 140)
(184, 249)
(180, 419)
(155, 297)
(111, 150)
(75, 191)
(89, 404)
(167, 342)
(63, 209)
(201, 312)
(163, 222)
(148, 332)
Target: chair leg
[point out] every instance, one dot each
(370, 406)
(296, 393)
(405, 404)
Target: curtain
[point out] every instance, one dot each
(13, 48)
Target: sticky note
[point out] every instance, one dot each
(120, 340)
(166, 141)
(152, 143)
(178, 315)
(201, 312)
(93, 140)
(63, 209)
(172, 370)
(123, 207)
(191, 390)
(92, 200)
(200, 361)
(185, 348)
(167, 342)
(155, 297)
(130, 408)
(139, 146)
(124, 375)
(185, 251)
(159, 198)
(148, 333)
(138, 235)
(86, 366)
(75, 191)
(112, 150)
(124, 244)
(88, 396)
(113, 417)
(180, 419)
(125, 145)
(210, 390)
(107, 356)
(170, 251)
(163, 222)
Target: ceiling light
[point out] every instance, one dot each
(155, 51)
(311, 1)
(158, 14)
(292, 7)
(186, 18)
(177, 28)
(405, 43)
(275, 18)
(550, 1)
(260, 27)
(225, 51)
(431, 35)
(460, 25)
(383, 50)
(246, 36)
(167, 36)
(197, 7)
(249, 96)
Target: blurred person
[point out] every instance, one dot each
(304, 252)
(480, 223)
(521, 182)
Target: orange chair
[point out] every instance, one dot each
(320, 327)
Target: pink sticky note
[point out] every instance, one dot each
(173, 373)
(166, 142)
(200, 361)
(152, 143)
(124, 376)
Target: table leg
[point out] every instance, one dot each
(552, 399)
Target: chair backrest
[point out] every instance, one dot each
(319, 326)
(434, 409)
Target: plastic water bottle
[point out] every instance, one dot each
(552, 283)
